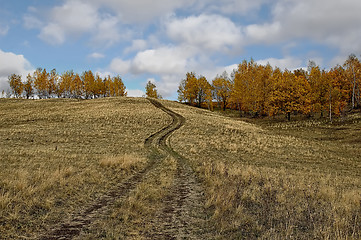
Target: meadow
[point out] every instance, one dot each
(271, 179)
(60, 155)
(260, 179)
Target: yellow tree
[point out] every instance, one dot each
(16, 85)
(65, 86)
(99, 87)
(319, 89)
(52, 82)
(245, 86)
(88, 80)
(119, 87)
(28, 86)
(339, 89)
(289, 93)
(204, 91)
(222, 87)
(41, 82)
(151, 90)
(188, 88)
(76, 87)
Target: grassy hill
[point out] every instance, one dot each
(64, 160)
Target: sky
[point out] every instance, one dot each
(162, 40)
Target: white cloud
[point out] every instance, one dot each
(107, 31)
(260, 33)
(210, 32)
(11, 63)
(75, 18)
(137, 45)
(120, 66)
(334, 22)
(164, 60)
(96, 55)
(53, 34)
(135, 93)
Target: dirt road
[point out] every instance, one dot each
(182, 216)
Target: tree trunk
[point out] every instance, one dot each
(289, 116)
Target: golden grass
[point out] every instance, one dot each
(133, 217)
(296, 180)
(58, 155)
(128, 162)
(278, 180)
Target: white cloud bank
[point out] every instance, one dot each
(11, 63)
(208, 32)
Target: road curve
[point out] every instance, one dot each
(183, 215)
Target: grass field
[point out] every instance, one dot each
(59, 155)
(261, 179)
(276, 179)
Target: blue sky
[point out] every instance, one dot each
(162, 40)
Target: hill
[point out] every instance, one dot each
(135, 168)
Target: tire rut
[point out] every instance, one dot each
(73, 227)
(183, 215)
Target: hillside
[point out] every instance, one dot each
(120, 168)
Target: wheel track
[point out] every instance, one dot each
(183, 215)
(72, 227)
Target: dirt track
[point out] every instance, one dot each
(183, 215)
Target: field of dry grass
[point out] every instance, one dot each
(262, 179)
(271, 180)
(57, 156)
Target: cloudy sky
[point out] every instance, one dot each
(161, 40)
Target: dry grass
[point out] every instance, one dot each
(132, 217)
(58, 155)
(127, 162)
(278, 180)
(267, 180)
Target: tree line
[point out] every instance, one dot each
(45, 84)
(260, 90)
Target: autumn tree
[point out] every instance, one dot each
(251, 87)
(119, 88)
(88, 80)
(41, 82)
(338, 90)
(16, 85)
(76, 87)
(222, 87)
(51, 84)
(204, 91)
(151, 90)
(187, 90)
(64, 88)
(289, 93)
(195, 90)
(319, 88)
(28, 86)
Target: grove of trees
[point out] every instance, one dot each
(45, 84)
(260, 90)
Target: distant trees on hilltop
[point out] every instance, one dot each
(262, 90)
(67, 85)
